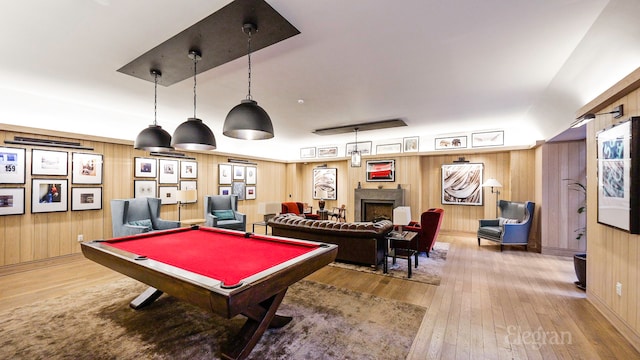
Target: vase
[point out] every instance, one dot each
(580, 266)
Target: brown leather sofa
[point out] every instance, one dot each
(359, 243)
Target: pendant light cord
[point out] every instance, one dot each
(195, 62)
(356, 148)
(249, 57)
(155, 98)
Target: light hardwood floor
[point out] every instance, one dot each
(490, 305)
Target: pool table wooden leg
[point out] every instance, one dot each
(259, 318)
(146, 298)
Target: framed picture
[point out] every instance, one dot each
(12, 169)
(411, 144)
(325, 179)
(452, 142)
(188, 169)
(189, 185)
(388, 149)
(250, 193)
(306, 153)
(49, 195)
(144, 188)
(490, 138)
(168, 171)
(86, 169)
(168, 195)
(224, 190)
(224, 174)
(364, 148)
(11, 201)
(46, 162)
(86, 198)
(329, 151)
(238, 188)
(462, 184)
(381, 170)
(252, 175)
(618, 178)
(238, 172)
(145, 167)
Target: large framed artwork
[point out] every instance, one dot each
(325, 179)
(12, 169)
(46, 162)
(381, 170)
(11, 201)
(86, 198)
(462, 184)
(144, 188)
(49, 195)
(225, 177)
(145, 167)
(86, 169)
(618, 178)
(168, 171)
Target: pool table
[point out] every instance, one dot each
(225, 271)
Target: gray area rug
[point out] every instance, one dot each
(329, 323)
(429, 269)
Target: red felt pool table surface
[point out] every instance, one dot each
(222, 255)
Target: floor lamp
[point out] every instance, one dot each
(493, 183)
(268, 210)
(185, 196)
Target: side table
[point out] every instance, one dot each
(324, 214)
(260, 223)
(401, 249)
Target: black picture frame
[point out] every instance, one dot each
(49, 195)
(12, 165)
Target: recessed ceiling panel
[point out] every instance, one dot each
(220, 39)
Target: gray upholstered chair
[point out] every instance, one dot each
(137, 216)
(512, 227)
(222, 211)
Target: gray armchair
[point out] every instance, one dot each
(137, 216)
(222, 211)
(512, 227)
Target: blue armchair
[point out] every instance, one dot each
(512, 227)
(137, 216)
(222, 211)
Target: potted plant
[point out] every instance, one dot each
(580, 260)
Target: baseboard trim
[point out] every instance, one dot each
(546, 250)
(632, 336)
(26, 266)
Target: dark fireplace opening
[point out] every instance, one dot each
(377, 210)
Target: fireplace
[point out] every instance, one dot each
(375, 203)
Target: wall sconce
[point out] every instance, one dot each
(493, 183)
(617, 112)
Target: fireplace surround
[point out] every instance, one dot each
(382, 200)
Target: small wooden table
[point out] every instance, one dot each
(189, 222)
(401, 243)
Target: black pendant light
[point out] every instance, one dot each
(154, 138)
(248, 120)
(193, 134)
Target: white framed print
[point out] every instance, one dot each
(145, 167)
(12, 169)
(188, 169)
(49, 195)
(168, 171)
(251, 173)
(47, 162)
(307, 153)
(224, 190)
(224, 174)
(411, 144)
(168, 195)
(238, 172)
(11, 201)
(86, 169)
(189, 185)
(86, 198)
(144, 188)
(250, 193)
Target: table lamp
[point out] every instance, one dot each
(401, 217)
(269, 210)
(323, 194)
(185, 196)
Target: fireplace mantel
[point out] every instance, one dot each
(395, 195)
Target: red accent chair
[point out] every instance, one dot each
(427, 229)
(298, 209)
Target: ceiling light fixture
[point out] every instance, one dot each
(154, 138)
(248, 120)
(193, 134)
(617, 112)
(356, 157)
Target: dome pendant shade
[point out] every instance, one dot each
(193, 134)
(153, 138)
(248, 121)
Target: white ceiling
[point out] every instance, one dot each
(446, 67)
